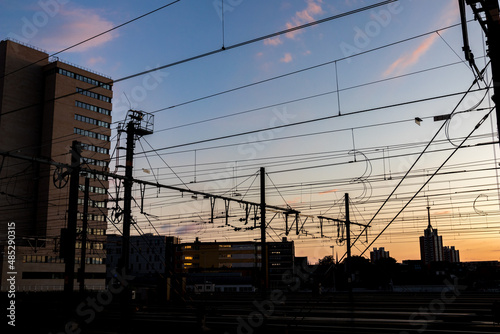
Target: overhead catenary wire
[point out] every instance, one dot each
(213, 52)
(429, 179)
(91, 38)
(277, 77)
(313, 120)
(418, 158)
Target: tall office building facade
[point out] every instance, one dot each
(431, 246)
(45, 105)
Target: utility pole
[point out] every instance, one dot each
(127, 196)
(490, 23)
(84, 236)
(348, 242)
(347, 222)
(139, 124)
(263, 230)
(70, 232)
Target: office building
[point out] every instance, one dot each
(450, 254)
(45, 105)
(233, 266)
(378, 254)
(150, 255)
(281, 259)
(431, 246)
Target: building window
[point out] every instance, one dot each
(95, 162)
(94, 148)
(93, 189)
(92, 107)
(93, 95)
(91, 134)
(97, 245)
(84, 78)
(92, 121)
(93, 204)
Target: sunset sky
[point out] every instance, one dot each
(327, 109)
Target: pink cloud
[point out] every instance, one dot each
(273, 41)
(447, 17)
(294, 200)
(444, 212)
(305, 16)
(286, 58)
(78, 25)
(95, 60)
(301, 17)
(410, 59)
(328, 191)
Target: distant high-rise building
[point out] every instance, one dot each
(431, 246)
(451, 254)
(378, 254)
(45, 105)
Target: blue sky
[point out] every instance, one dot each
(466, 204)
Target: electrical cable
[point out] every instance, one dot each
(313, 120)
(91, 38)
(429, 179)
(234, 46)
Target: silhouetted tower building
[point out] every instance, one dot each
(451, 254)
(378, 254)
(431, 244)
(45, 105)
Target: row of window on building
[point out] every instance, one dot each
(93, 95)
(91, 134)
(93, 189)
(92, 121)
(93, 148)
(57, 259)
(84, 78)
(92, 203)
(92, 107)
(91, 216)
(89, 245)
(93, 231)
(95, 176)
(95, 162)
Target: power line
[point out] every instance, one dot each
(91, 38)
(277, 77)
(429, 179)
(210, 53)
(400, 104)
